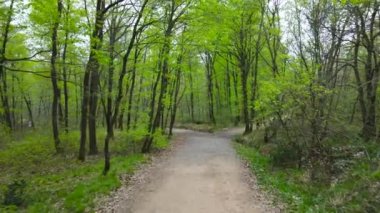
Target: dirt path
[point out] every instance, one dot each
(201, 175)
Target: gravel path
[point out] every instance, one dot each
(202, 174)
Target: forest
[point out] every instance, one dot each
(91, 89)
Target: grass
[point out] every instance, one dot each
(357, 191)
(276, 181)
(75, 190)
(60, 183)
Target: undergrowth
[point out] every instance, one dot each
(59, 182)
(356, 189)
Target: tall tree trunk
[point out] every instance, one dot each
(65, 75)
(209, 60)
(246, 115)
(92, 66)
(131, 90)
(175, 99)
(236, 100)
(111, 69)
(3, 86)
(210, 93)
(9, 119)
(76, 100)
(191, 94)
(137, 108)
(54, 79)
(93, 105)
(227, 88)
(366, 25)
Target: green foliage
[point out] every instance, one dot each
(14, 194)
(160, 140)
(355, 189)
(78, 186)
(287, 184)
(59, 181)
(4, 134)
(130, 141)
(44, 13)
(81, 197)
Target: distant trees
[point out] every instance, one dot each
(174, 10)
(327, 57)
(246, 40)
(136, 30)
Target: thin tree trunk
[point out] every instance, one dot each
(209, 60)
(175, 101)
(28, 103)
(131, 90)
(191, 94)
(111, 69)
(65, 75)
(119, 96)
(138, 101)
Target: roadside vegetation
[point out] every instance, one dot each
(38, 180)
(351, 185)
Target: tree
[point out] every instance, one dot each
(111, 120)
(54, 76)
(366, 37)
(246, 49)
(173, 12)
(3, 77)
(91, 81)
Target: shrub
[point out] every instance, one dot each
(14, 195)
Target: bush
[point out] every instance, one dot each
(160, 141)
(14, 195)
(353, 186)
(286, 155)
(4, 135)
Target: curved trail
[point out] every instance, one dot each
(201, 175)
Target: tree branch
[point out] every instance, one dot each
(26, 58)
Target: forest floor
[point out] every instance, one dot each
(201, 173)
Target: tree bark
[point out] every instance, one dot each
(65, 74)
(132, 88)
(191, 94)
(54, 79)
(28, 103)
(174, 107)
(209, 60)
(3, 86)
(88, 86)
